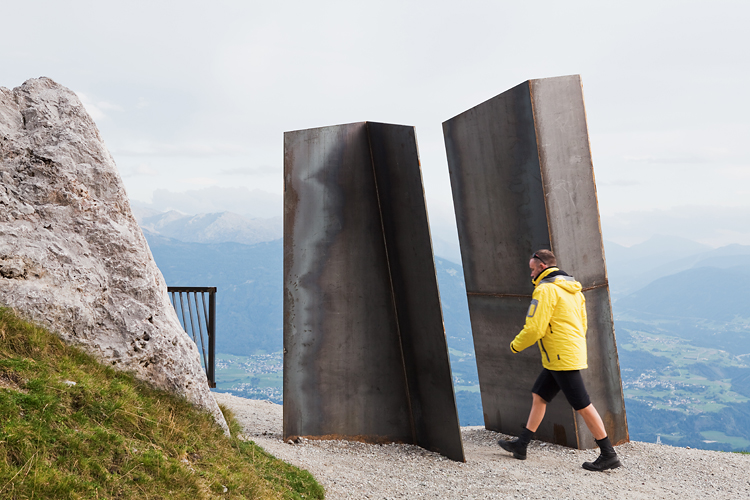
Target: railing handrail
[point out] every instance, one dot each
(205, 289)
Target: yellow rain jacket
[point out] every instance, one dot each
(556, 320)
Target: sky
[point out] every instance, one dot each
(193, 98)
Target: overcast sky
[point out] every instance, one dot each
(192, 95)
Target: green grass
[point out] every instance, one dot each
(680, 352)
(460, 354)
(259, 376)
(714, 394)
(467, 388)
(718, 436)
(228, 381)
(111, 436)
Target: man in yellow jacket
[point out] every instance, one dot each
(556, 321)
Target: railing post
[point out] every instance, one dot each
(211, 337)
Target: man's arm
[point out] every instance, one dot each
(537, 319)
(584, 316)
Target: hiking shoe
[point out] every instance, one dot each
(516, 447)
(603, 463)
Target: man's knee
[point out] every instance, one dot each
(588, 409)
(537, 399)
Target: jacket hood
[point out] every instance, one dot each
(559, 278)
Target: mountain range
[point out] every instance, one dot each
(221, 227)
(682, 320)
(701, 292)
(631, 268)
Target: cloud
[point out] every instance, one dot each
(96, 109)
(141, 169)
(711, 225)
(741, 172)
(240, 200)
(250, 171)
(107, 105)
(201, 181)
(668, 160)
(621, 183)
(183, 149)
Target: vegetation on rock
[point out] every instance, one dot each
(74, 428)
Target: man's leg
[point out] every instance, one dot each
(518, 446)
(536, 415)
(545, 388)
(593, 421)
(608, 457)
(572, 386)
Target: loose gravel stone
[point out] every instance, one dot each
(356, 470)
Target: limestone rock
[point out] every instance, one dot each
(72, 256)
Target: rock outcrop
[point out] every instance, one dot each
(72, 256)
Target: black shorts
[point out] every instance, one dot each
(549, 383)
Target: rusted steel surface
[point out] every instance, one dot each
(365, 355)
(522, 179)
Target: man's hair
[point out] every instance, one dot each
(546, 257)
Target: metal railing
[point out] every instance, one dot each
(190, 316)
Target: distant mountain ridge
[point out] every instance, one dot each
(221, 227)
(703, 293)
(631, 268)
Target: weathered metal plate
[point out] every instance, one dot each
(497, 191)
(522, 179)
(603, 375)
(415, 290)
(506, 378)
(365, 350)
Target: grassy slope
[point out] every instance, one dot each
(110, 436)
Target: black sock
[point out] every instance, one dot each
(526, 435)
(605, 445)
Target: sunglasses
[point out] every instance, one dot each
(535, 256)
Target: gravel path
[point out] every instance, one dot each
(356, 470)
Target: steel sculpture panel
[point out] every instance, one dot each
(522, 179)
(365, 354)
